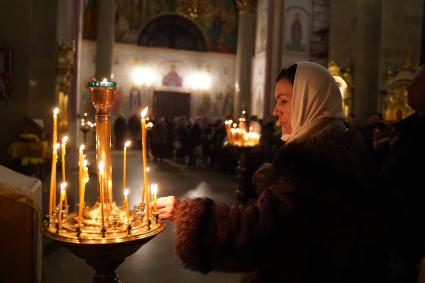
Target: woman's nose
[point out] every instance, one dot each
(275, 112)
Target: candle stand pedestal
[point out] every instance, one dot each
(243, 183)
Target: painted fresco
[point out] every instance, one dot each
(218, 23)
(297, 25)
(167, 71)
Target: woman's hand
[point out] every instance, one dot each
(166, 207)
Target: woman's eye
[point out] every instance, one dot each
(282, 101)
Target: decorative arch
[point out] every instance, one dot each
(173, 31)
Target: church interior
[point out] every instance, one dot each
(97, 96)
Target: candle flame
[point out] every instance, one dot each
(82, 147)
(147, 169)
(126, 192)
(65, 139)
(235, 125)
(144, 112)
(63, 186)
(56, 146)
(56, 111)
(154, 189)
(127, 144)
(243, 112)
(85, 114)
(104, 80)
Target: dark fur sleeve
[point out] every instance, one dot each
(211, 235)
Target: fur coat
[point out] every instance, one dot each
(319, 220)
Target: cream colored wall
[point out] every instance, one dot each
(209, 102)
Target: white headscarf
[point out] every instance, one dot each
(316, 103)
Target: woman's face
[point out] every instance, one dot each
(282, 109)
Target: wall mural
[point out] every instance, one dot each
(172, 78)
(297, 25)
(219, 25)
(209, 78)
(297, 31)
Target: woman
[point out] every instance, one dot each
(315, 220)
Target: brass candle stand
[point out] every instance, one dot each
(242, 184)
(241, 142)
(106, 234)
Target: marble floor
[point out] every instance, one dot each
(155, 261)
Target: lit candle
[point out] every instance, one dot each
(81, 182)
(242, 120)
(64, 141)
(52, 197)
(127, 209)
(228, 125)
(55, 125)
(61, 200)
(144, 155)
(154, 192)
(124, 173)
(101, 188)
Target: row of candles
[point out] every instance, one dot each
(84, 176)
(238, 135)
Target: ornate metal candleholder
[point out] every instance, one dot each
(106, 234)
(241, 142)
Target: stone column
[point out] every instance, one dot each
(361, 45)
(105, 38)
(65, 22)
(274, 58)
(244, 53)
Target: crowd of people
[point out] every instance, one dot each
(194, 142)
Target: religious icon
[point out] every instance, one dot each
(296, 41)
(134, 100)
(172, 79)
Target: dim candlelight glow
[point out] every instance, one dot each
(154, 192)
(61, 200)
(127, 144)
(144, 112)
